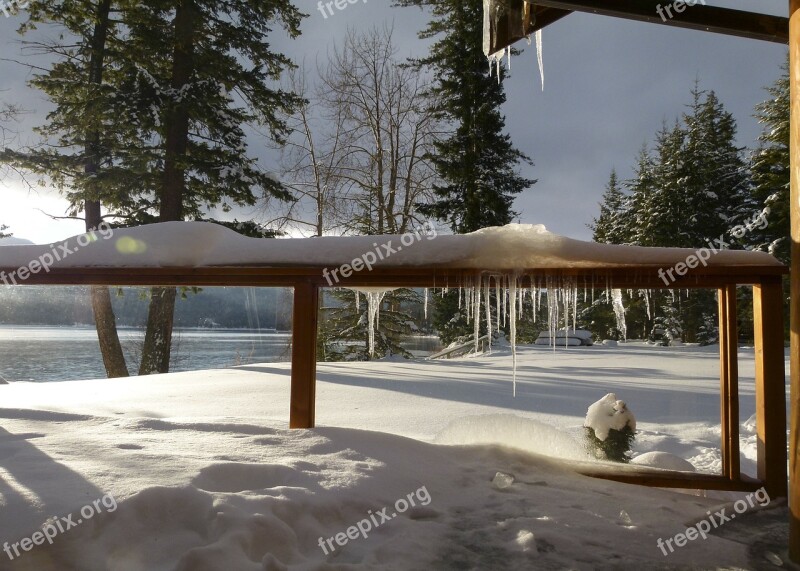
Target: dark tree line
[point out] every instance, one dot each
(694, 186)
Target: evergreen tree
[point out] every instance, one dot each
(692, 188)
(770, 168)
(83, 132)
(770, 172)
(715, 177)
(641, 217)
(3, 234)
(346, 327)
(477, 163)
(154, 129)
(611, 227)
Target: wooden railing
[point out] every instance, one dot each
(307, 282)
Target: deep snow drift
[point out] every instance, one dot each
(207, 477)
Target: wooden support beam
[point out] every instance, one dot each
(304, 355)
(770, 386)
(624, 277)
(697, 17)
(644, 476)
(729, 382)
(794, 153)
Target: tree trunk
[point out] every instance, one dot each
(160, 318)
(104, 318)
(158, 339)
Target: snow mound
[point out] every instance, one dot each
(609, 413)
(663, 460)
(515, 431)
(506, 248)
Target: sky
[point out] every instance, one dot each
(609, 84)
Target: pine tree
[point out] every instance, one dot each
(770, 168)
(692, 188)
(83, 131)
(642, 188)
(346, 327)
(715, 177)
(154, 130)
(611, 227)
(477, 163)
(3, 234)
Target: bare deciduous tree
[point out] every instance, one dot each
(358, 160)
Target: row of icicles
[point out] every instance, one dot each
(559, 295)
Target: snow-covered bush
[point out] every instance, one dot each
(610, 429)
(666, 330)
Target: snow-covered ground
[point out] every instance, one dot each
(204, 474)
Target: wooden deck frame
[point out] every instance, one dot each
(307, 282)
(751, 25)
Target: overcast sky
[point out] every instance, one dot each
(609, 84)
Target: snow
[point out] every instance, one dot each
(207, 476)
(13, 241)
(506, 248)
(607, 414)
(663, 460)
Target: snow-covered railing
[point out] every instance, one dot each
(514, 257)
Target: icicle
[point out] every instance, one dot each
(488, 312)
(645, 293)
(552, 308)
(505, 300)
(575, 307)
(424, 303)
(512, 318)
(619, 312)
(497, 280)
(476, 312)
(539, 59)
(358, 303)
(487, 30)
(459, 297)
(508, 52)
(374, 298)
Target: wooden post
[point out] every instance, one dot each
(794, 153)
(304, 355)
(729, 382)
(770, 386)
